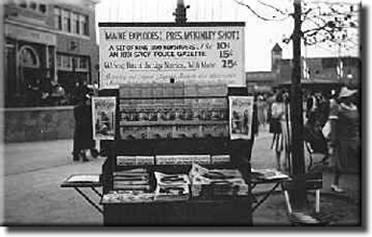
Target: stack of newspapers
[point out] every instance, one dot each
(134, 179)
(171, 187)
(217, 182)
(127, 196)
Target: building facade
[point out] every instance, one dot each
(47, 43)
(339, 70)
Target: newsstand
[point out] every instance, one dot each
(172, 162)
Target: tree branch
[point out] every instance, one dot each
(257, 14)
(273, 7)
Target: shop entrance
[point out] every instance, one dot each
(30, 76)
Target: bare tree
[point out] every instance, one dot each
(324, 23)
(314, 23)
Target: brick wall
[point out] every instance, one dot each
(38, 124)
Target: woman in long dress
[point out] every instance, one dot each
(279, 127)
(345, 136)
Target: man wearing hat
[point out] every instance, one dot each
(83, 134)
(345, 136)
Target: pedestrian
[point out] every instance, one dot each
(261, 111)
(314, 136)
(277, 112)
(345, 136)
(312, 103)
(83, 133)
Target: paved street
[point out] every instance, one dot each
(34, 171)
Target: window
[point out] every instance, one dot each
(42, 8)
(57, 18)
(59, 61)
(75, 23)
(33, 5)
(72, 63)
(28, 57)
(71, 22)
(83, 63)
(84, 25)
(66, 21)
(23, 4)
(66, 62)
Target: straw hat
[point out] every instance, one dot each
(345, 92)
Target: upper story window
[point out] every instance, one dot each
(84, 25)
(33, 6)
(58, 18)
(23, 3)
(71, 22)
(42, 8)
(66, 21)
(75, 23)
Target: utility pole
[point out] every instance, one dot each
(296, 115)
(181, 12)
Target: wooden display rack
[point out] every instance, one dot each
(232, 210)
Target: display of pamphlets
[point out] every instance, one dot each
(216, 182)
(135, 160)
(240, 123)
(127, 196)
(182, 159)
(135, 179)
(171, 187)
(218, 159)
(172, 193)
(103, 115)
(171, 179)
(170, 111)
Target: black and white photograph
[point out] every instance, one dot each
(246, 114)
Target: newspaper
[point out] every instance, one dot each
(240, 123)
(103, 118)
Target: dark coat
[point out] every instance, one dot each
(83, 134)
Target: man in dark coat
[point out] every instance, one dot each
(83, 134)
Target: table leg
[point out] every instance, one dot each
(265, 197)
(88, 199)
(98, 193)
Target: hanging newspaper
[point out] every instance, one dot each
(241, 110)
(103, 118)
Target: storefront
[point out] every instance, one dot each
(30, 62)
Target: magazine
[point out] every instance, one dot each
(103, 118)
(241, 110)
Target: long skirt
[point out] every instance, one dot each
(277, 143)
(347, 155)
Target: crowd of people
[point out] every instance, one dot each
(331, 127)
(51, 93)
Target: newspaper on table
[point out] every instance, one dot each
(171, 187)
(134, 179)
(216, 182)
(240, 122)
(268, 174)
(127, 196)
(83, 178)
(103, 113)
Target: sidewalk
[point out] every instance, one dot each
(34, 171)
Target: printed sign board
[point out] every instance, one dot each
(241, 110)
(211, 53)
